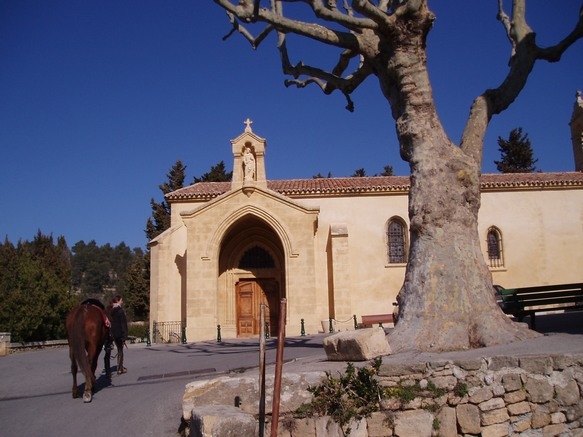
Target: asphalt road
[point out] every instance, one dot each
(35, 387)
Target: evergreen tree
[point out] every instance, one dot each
(387, 170)
(35, 288)
(320, 176)
(160, 220)
(359, 173)
(216, 174)
(516, 153)
(137, 294)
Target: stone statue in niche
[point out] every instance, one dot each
(248, 164)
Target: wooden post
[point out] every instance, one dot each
(278, 368)
(262, 371)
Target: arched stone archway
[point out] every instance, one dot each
(251, 273)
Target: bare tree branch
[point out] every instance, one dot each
(351, 42)
(505, 20)
(554, 53)
(237, 27)
(328, 82)
(524, 55)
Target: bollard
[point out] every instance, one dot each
(148, 341)
(303, 330)
(331, 326)
(266, 329)
(155, 328)
(355, 322)
(183, 335)
(219, 339)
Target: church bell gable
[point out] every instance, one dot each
(248, 160)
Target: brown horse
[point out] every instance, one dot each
(87, 330)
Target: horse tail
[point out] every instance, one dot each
(77, 338)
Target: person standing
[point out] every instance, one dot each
(119, 331)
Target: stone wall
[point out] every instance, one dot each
(500, 396)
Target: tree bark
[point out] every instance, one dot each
(447, 300)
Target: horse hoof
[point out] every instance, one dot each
(87, 397)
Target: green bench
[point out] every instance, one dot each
(526, 301)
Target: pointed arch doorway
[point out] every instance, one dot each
(252, 273)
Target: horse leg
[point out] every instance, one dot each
(107, 359)
(75, 390)
(89, 381)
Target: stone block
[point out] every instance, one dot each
(469, 365)
(568, 394)
(292, 427)
(501, 362)
(542, 365)
(514, 397)
(519, 408)
(468, 418)
(492, 404)
(379, 425)
(447, 422)
(418, 423)
(540, 418)
(357, 345)
(539, 390)
(326, 427)
(511, 382)
(221, 421)
(244, 392)
(356, 428)
(498, 430)
(554, 430)
(390, 370)
(446, 382)
(493, 417)
(521, 423)
(480, 394)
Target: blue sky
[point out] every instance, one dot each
(99, 98)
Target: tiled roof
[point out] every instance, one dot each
(377, 184)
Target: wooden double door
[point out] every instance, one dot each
(251, 293)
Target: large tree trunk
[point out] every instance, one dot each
(447, 300)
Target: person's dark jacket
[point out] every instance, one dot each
(119, 324)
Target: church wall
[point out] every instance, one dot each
(374, 282)
(542, 235)
(167, 276)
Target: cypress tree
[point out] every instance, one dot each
(516, 153)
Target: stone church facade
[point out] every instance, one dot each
(337, 247)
